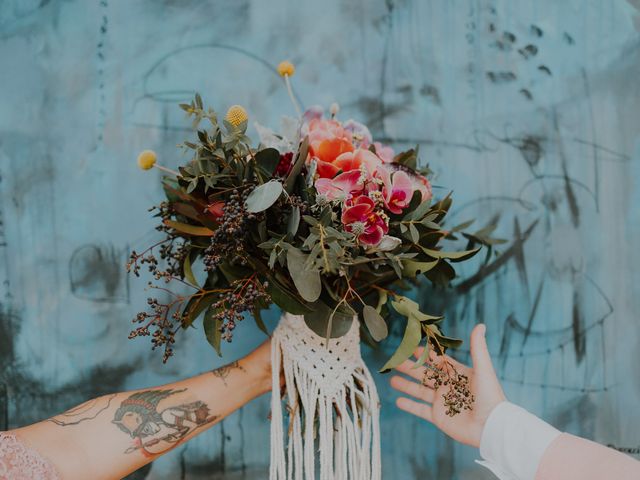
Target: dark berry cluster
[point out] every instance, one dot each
(171, 251)
(172, 254)
(164, 212)
(297, 201)
(228, 241)
(164, 319)
(458, 396)
(240, 299)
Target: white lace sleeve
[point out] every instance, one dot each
(19, 462)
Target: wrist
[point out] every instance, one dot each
(258, 377)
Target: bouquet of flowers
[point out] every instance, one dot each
(319, 219)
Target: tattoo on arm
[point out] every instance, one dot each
(156, 430)
(224, 371)
(86, 411)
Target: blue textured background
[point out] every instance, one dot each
(530, 110)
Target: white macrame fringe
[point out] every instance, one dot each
(332, 402)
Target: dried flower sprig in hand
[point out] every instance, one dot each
(458, 396)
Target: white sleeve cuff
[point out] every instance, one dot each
(513, 442)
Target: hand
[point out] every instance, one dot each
(465, 427)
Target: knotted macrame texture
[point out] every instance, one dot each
(332, 406)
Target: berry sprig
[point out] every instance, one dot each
(458, 396)
(229, 240)
(240, 299)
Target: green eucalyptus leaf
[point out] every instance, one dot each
(408, 308)
(212, 331)
(257, 316)
(301, 157)
(268, 159)
(419, 212)
(192, 185)
(188, 272)
(195, 306)
(423, 357)
(410, 341)
(286, 300)
(412, 268)
(413, 232)
(310, 220)
(189, 229)
(447, 342)
(375, 323)
(408, 158)
(441, 274)
(234, 272)
(452, 256)
(306, 279)
(263, 196)
(382, 300)
(294, 221)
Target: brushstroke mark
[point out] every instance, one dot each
(100, 48)
(501, 77)
(96, 273)
(532, 315)
(486, 271)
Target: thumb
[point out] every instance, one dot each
(479, 352)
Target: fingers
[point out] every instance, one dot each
(414, 389)
(418, 409)
(479, 352)
(406, 367)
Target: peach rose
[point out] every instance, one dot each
(327, 141)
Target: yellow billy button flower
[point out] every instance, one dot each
(236, 115)
(147, 159)
(286, 68)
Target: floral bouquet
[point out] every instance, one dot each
(318, 218)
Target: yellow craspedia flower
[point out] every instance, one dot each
(147, 159)
(236, 115)
(286, 68)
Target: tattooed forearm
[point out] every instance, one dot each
(155, 427)
(86, 411)
(224, 371)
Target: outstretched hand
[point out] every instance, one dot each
(465, 427)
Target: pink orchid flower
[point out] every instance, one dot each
(342, 187)
(385, 152)
(360, 132)
(362, 219)
(397, 190)
(418, 182)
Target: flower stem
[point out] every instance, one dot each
(168, 170)
(291, 96)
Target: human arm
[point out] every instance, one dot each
(514, 444)
(113, 435)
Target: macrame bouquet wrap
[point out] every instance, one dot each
(331, 402)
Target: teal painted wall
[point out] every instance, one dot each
(530, 110)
